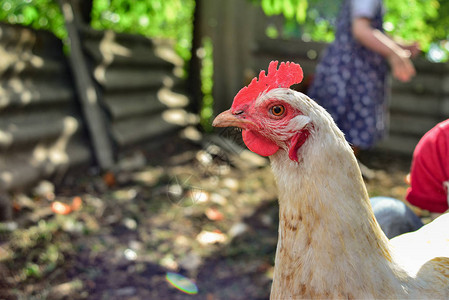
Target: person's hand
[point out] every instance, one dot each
(414, 49)
(401, 65)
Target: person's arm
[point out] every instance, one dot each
(377, 41)
(414, 47)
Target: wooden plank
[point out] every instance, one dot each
(230, 29)
(426, 83)
(5, 207)
(94, 116)
(406, 102)
(422, 65)
(412, 124)
(291, 48)
(445, 83)
(399, 143)
(445, 106)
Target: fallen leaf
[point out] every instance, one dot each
(61, 208)
(264, 266)
(218, 199)
(169, 262)
(407, 179)
(198, 196)
(237, 229)
(214, 214)
(44, 189)
(64, 209)
(76, 203)
(16, 206)
(209, 237)
(64, 290)
(109, 179)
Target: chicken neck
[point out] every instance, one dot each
(330, 244)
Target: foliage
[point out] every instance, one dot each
(39, 14)
(425, 21)
(153, 18)
(410, 20)
(439, 51)
(207, 70)
(319, 22)
(33, 250)
(440, 24)
(289, 8)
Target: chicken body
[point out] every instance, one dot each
(330, 245)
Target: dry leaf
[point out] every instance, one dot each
(109, 179)
(214, 214)
(76, 203)
(64, 209)
(209, 237)
(61, 208)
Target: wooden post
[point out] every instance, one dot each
(94, 116)
(445, 92)
(5, 208)
(229, 23)
(195, 62)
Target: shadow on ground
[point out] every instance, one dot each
(193, 210)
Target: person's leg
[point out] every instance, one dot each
(394, 216)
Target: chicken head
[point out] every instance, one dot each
(271, 116)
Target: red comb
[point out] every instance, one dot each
(287, 75)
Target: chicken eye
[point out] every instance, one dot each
(277, 110)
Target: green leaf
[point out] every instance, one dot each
(288, 9)
(267, 7)
(30, 13)
(301, 11)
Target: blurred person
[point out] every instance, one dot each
(429, 182)
(351, 78)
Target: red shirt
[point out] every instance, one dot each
(430, 170)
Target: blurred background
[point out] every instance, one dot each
(113, 183)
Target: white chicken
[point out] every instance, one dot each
(330, 244)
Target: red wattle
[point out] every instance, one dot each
(296, 142)
(259, 144)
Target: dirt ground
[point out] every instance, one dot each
(188, 208)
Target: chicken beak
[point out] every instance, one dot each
(228, 119)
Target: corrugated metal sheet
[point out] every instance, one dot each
(416, 106)
(140, 87)
(41, 130)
